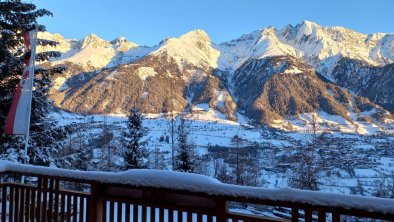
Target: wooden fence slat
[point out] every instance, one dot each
(16, 209)
(11, 205)
(161, 214)
(189, 216)
(135, 213)
(50, 199)
(33, 205)
(171, 215)
(209, 218)
(104, 211)
(294, 215)
(75, 208)
(143, 212)
(308, 215)
(127, 213)
(68, 219)
(180, 214)
(56, 216)
(4, 203)
(120, 211)
(45, 200)
(152, 214)
(38, 197)
(22, 204)
(111, 211)
(27, 204)
(81, 208)
(63, 207)
(336, 217)
(199, 217)
(321, 216)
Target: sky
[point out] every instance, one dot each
(147, 22)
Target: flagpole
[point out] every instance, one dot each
(31, 71)
(31, 75)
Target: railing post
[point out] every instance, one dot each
(336, 217)
(95, 203)
(221, 209)
(294, 214)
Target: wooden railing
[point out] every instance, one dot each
(55, 198)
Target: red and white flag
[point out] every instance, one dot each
(18, 118)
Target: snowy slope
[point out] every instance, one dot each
(192, 48)
(92, 52)
(64, 45)
(308, 41)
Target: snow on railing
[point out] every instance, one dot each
(189, 183)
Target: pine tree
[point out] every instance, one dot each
(135, 155)
(185, 158)
(16, 18)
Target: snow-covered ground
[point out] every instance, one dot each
(369, 163)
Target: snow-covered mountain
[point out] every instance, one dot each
(94, 53)
(310, 42)
(256, 74)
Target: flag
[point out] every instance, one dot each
(18, 118)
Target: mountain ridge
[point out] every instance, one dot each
(204, 72)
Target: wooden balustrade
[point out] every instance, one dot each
(47, 198)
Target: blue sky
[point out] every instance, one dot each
(147, 22)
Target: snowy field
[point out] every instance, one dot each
(209, 128)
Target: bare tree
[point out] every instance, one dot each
(107, 149)
(305, 168)
(222, 171)
(157, 159)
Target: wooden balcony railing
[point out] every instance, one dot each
(159, 196)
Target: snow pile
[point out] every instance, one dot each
(204, 184)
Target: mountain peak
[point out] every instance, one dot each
(119, 40)
(309, 23)
(92, 36)
(196, 35)
(308, 27)
(122, 44)
(93, 39)
(193, 48)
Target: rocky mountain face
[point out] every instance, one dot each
(374, 82)
(266, 75)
